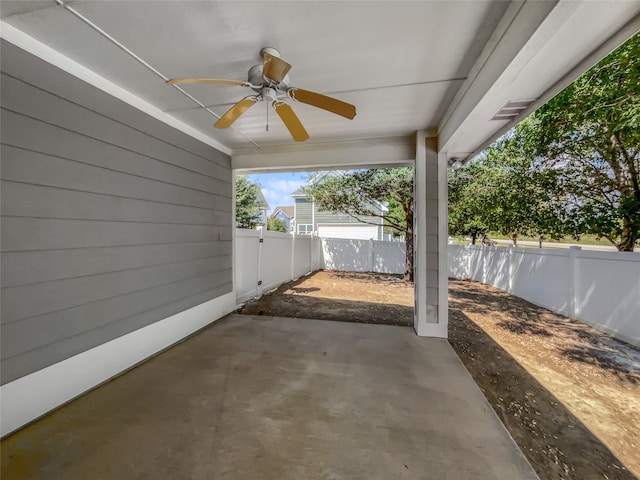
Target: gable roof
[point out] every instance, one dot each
(288, 211)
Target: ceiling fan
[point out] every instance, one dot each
(271, 84)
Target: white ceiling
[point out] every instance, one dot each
(401, 63)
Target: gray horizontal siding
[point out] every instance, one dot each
(329, 217)
(57, 82)
(26, 166)
(22, 268)
(19, 234)
(77, 148)
(54, 202)
(31, 360)
(40, 298)
(111, 220)
(33, 102)
(56, 326)
(303, 211)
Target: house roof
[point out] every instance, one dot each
(298, 193)
(288, 211)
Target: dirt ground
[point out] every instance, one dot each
(342, 296)
(568, 394)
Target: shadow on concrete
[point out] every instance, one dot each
(535, 418)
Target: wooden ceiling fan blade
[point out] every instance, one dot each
(274, 68)
(291, 121)
(318, 100)
(234, 112)
(218, 81)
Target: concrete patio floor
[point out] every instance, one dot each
(278, 398)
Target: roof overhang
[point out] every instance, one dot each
(447, 69)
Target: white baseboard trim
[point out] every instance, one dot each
(30, 397)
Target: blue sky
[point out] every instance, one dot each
(278, 187)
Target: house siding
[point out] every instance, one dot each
(111, 220)
(287, 221)
(328, 217)
(307, 213)
(303, 212)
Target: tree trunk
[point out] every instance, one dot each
(514, 239)
(627, 238)
(473, 238)
(408, 264)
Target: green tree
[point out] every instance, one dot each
(248, 203)
(467, 202)
(355, 193)
(524, 198)
(590, 133)
(505, 192)
(276, 225)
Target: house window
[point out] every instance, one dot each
(305, 229)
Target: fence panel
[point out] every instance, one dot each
(346, 255)
(496, 267)
(388, 257)
(302, 255)
(459, 261)
(607, 292)
(246, 263)
(541, 276)
(279, 258)
(276, 259)
(598, 288)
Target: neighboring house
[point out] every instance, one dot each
(309, 219)
(264, 206)
(286, 214)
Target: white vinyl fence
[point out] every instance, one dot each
(598, 288)
(265, 259)
(350, 255)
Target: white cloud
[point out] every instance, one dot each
(277, 188)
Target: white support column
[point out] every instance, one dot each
(430, 239)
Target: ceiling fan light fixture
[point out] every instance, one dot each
(268, 94)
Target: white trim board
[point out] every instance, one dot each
(36, 394)
(49, 55)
